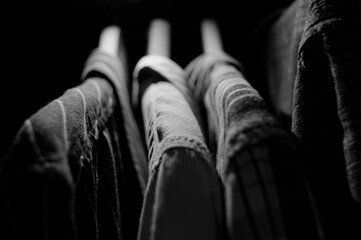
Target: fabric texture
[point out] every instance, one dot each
(69, 173)
(255, 157)
(283, 43)
(183, 198)
(313, 78)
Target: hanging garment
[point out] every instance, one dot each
(183, 198)
(71, 173)
(266, 197)
(312, 56)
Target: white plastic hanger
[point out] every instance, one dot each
(159, 38)
(211, 37)
(111, 41)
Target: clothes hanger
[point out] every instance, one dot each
(211, 37)
(158, 45)
(159, 38)
(210, 33)
(111, 41)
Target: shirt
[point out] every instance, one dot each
(312, 65)
(256, 158)
(71, 172)
(183, 198)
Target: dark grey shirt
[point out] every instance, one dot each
(312, 66)
(74, 169)
(255, 157)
